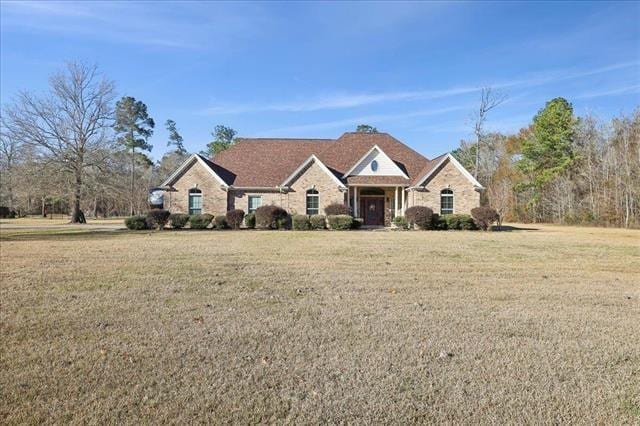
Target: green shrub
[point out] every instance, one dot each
(220, 222)
(357, 223)
(250, 220)
(271, 217)
(484, 217)
(178, 220)
(234, 218)
(337, 209)
(439, 223)
(340, 222)
(419, 216)
(301, 222)
(157, 218)
(200, 221)
(136, 223)
(318, 221)
(459, 222)
(400, 222)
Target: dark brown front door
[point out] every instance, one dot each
(372, 210)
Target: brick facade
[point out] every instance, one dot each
(465, 196)
(214, 198)
(314, 177)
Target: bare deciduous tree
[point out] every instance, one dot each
(489, 99)
(70, 125)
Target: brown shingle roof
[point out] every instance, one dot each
(266, 162)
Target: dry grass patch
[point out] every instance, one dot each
(459, 327)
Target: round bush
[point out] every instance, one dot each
(301, 222)
(337, 209)
(459, 222)
(439, 223)
(234, 218)
(271, 217)
(220, 222)
(419, 217)
(200, 221)
(340, 222)
(250, 220)
(484, 217)
(157, 218)
(178, 220)
(136, 223)
(400, 222)
(318, 221)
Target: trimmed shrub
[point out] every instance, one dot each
(439, 223)
(250, 220)
(220, 222)
(337, 209)
(271, 217)
(462, 222)
(178, 220)
(7, 213)
(419, 217)
(340, 222)
(157, 218)
(318, 221)
(400, 222)
(357, 223)
(200, 221)
(234, 218)
(301, 222)
(136, 223)
(484, 217)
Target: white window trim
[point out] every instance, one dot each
(453, 201)
(189, 200)
(306, 200)
(249, 197)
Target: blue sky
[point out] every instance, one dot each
(318, 69)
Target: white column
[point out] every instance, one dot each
(402, 208)
(355, 201)
(396, 213)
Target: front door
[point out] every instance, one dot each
(373, 211)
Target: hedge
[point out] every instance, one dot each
(301, 222)
(340, 222)
(250, 220)
(200, 221)
(400, 222)
(272, 217)
(136, 223)
(460, 222)
(318, 221)
(178, 220)
(157, 218)
(484, 217)
(337, 209)
(419, 217)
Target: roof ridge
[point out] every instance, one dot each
(286, 139)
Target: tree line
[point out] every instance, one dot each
(77, 150)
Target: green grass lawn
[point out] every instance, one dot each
(536, 326)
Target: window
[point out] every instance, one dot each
(446, 201)
(313, 202)
(195, 201)
(255, 201)
(374, 166)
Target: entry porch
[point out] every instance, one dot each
(377, 205)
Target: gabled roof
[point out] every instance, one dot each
(207, 164)
(435, 165)
(366, 155)
(305, 164)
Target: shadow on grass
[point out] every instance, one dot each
(508, 228)
(58, 234)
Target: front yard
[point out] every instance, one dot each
(534, 326)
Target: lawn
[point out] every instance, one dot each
(527, 326)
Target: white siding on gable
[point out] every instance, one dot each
(386, 166)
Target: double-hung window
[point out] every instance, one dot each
(195, 201)
(255, 201)
(313, 202)
(446, 201)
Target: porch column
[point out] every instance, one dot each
(402, 208)
(396, 209)
(355, 201)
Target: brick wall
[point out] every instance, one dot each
(324, 184)
(214, 198)
(465, 197)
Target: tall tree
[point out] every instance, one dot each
(175, 139)
(68, 126)
(365, 128)
(134, 127)
(549, 150)
(489, 99)
(224, 137)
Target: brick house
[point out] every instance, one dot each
(378, 176)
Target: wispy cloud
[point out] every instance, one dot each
(627, 90)
(347, 100)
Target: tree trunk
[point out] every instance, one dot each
(76, 214)
(133, 179)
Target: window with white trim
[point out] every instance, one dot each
(446, 201)
(313, 202)
(255, 201)
(195, 201)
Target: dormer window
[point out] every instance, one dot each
(374, 166)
